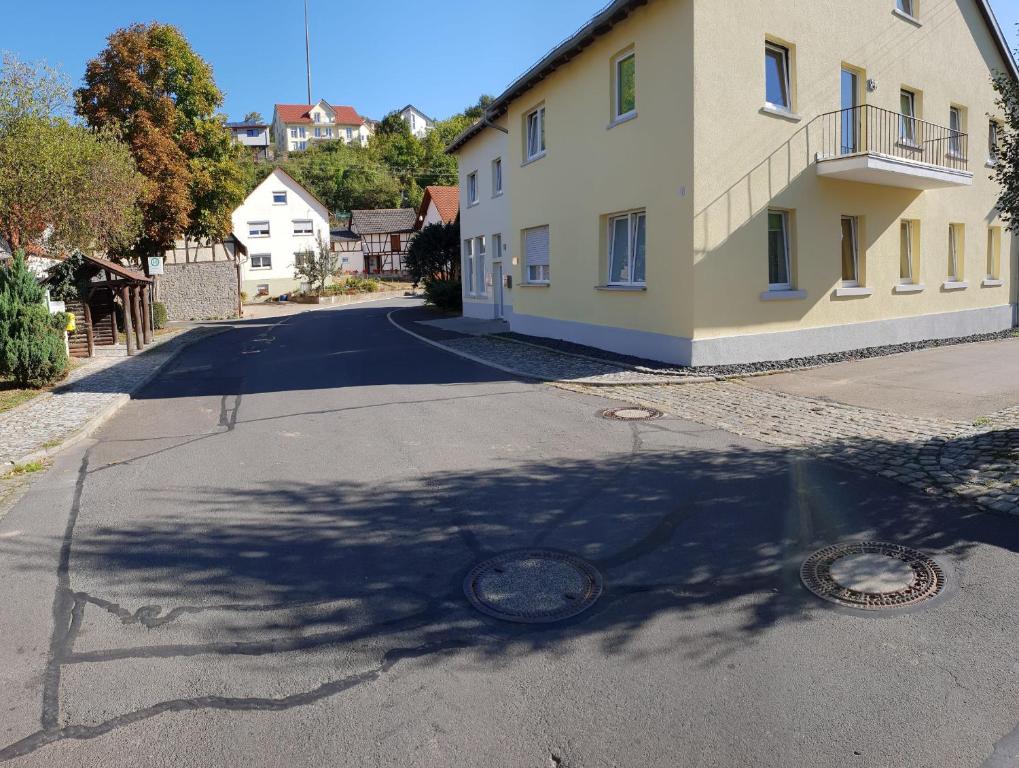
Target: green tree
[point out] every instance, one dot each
(32, 349)
(155, 91)
(254, 117)
(62, 186)
(315, 267)
(434, 254)
(1006, 168)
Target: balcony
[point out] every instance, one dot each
(877, 146)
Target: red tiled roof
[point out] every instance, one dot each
(301, 113)
(447, 203)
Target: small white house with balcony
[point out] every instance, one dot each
(277, 223)
(255, 136)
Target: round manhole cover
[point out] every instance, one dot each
(872, 575)
(533, 586)
(631, 413)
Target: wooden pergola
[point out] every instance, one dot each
(95, 316)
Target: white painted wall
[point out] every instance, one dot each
(282, 243)
(490, 216)
(418, 122)
(261, 139)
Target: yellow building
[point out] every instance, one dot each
(710, 182)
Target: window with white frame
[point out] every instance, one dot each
(497, 176)
(536, 259)
(350, 134)
(304, 257)
(318, 132)
(317, 116)
(329, 133)
(261, 261)
(992, 141)
(779, 262)
(535, 122)
(252, 133)
(907, 118)
(993, 253)
(301, 145)
(850, 251)
(304, 227)
(479, 258)
(777, 86)
(258, 229)
(301, 133)
(468, 266)
(279, 198)
(262, 289)
(496, 246)
(955, 142)
(293, 133)
(626, 86)
(908, 251)
(955, 246)
(626, 251)
(472, 188)
(906, 6)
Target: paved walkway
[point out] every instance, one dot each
(91, 389)
(977, 458)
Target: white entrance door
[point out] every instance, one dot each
(497, 287)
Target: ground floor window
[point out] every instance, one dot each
(479, 249)
(261, 261)
(909, 251)
(955, 246)
(779, 266)
(627, 258)
(468, 266)
(993, 253)
(850, 251)
(536, 256)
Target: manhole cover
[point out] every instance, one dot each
(631, 413)
(533, 586)
(872, 575)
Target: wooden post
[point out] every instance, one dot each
(146, 315)
(125, 298)
(87, 316)
(136, 318)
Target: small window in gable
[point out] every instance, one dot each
(279, 198)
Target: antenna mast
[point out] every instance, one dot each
(307, 48)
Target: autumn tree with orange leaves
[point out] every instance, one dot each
(150, 87)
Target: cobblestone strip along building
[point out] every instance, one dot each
(977, 462)
(204, 290)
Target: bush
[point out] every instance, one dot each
(444, 294)
(158, 314)
(32, 347)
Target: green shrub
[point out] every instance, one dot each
(158, 314)
(355, 284)
(32, 347)
(444, 294)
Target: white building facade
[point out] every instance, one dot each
(420, 123)
(298, 126)
(277, 223)
(488, 251)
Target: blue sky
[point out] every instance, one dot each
(376, 55)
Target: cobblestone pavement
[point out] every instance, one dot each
(90, 389)
(979, 461)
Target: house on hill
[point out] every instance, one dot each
(385, 235)
(420, 123)
(297, 126)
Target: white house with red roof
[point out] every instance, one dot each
(297, 126)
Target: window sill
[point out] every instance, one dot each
(991, 164)
(954, 285)
(907, 17)
(496, 195)
(782, 112)
(475, 204)
(533, 285)
(622, 288)
(534, 159)
(620, 120)
(991, 282)
(910, 145)
(955, 156)
(783, 295)
(909, 288)
(853, 290)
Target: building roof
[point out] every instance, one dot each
(447, 203)
(301, 113)
(424, 115)
(247, 125)
(607, 18)
(343, 234)
(121, 271)
(383, 221)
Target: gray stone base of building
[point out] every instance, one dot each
(765, 347)
(203, 290)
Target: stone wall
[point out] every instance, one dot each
(200, 291)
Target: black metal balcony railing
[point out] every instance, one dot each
(866, 128)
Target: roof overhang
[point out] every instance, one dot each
(888, 171)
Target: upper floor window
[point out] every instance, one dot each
(992, 141)
(779, 262)
(252, 132)
(626, 86)
(497, 176)
(777, 91)
(955, 135)
(279, 198)
(329, 133)
(907, 119)
(293, 133)
(317, 116)
(472, 188)
(350, 134)
(627, 260)
(318, 132)
(301, 132)
(536, 133)
(304, 227)
(258, 229)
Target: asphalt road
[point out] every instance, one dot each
(258, 562)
